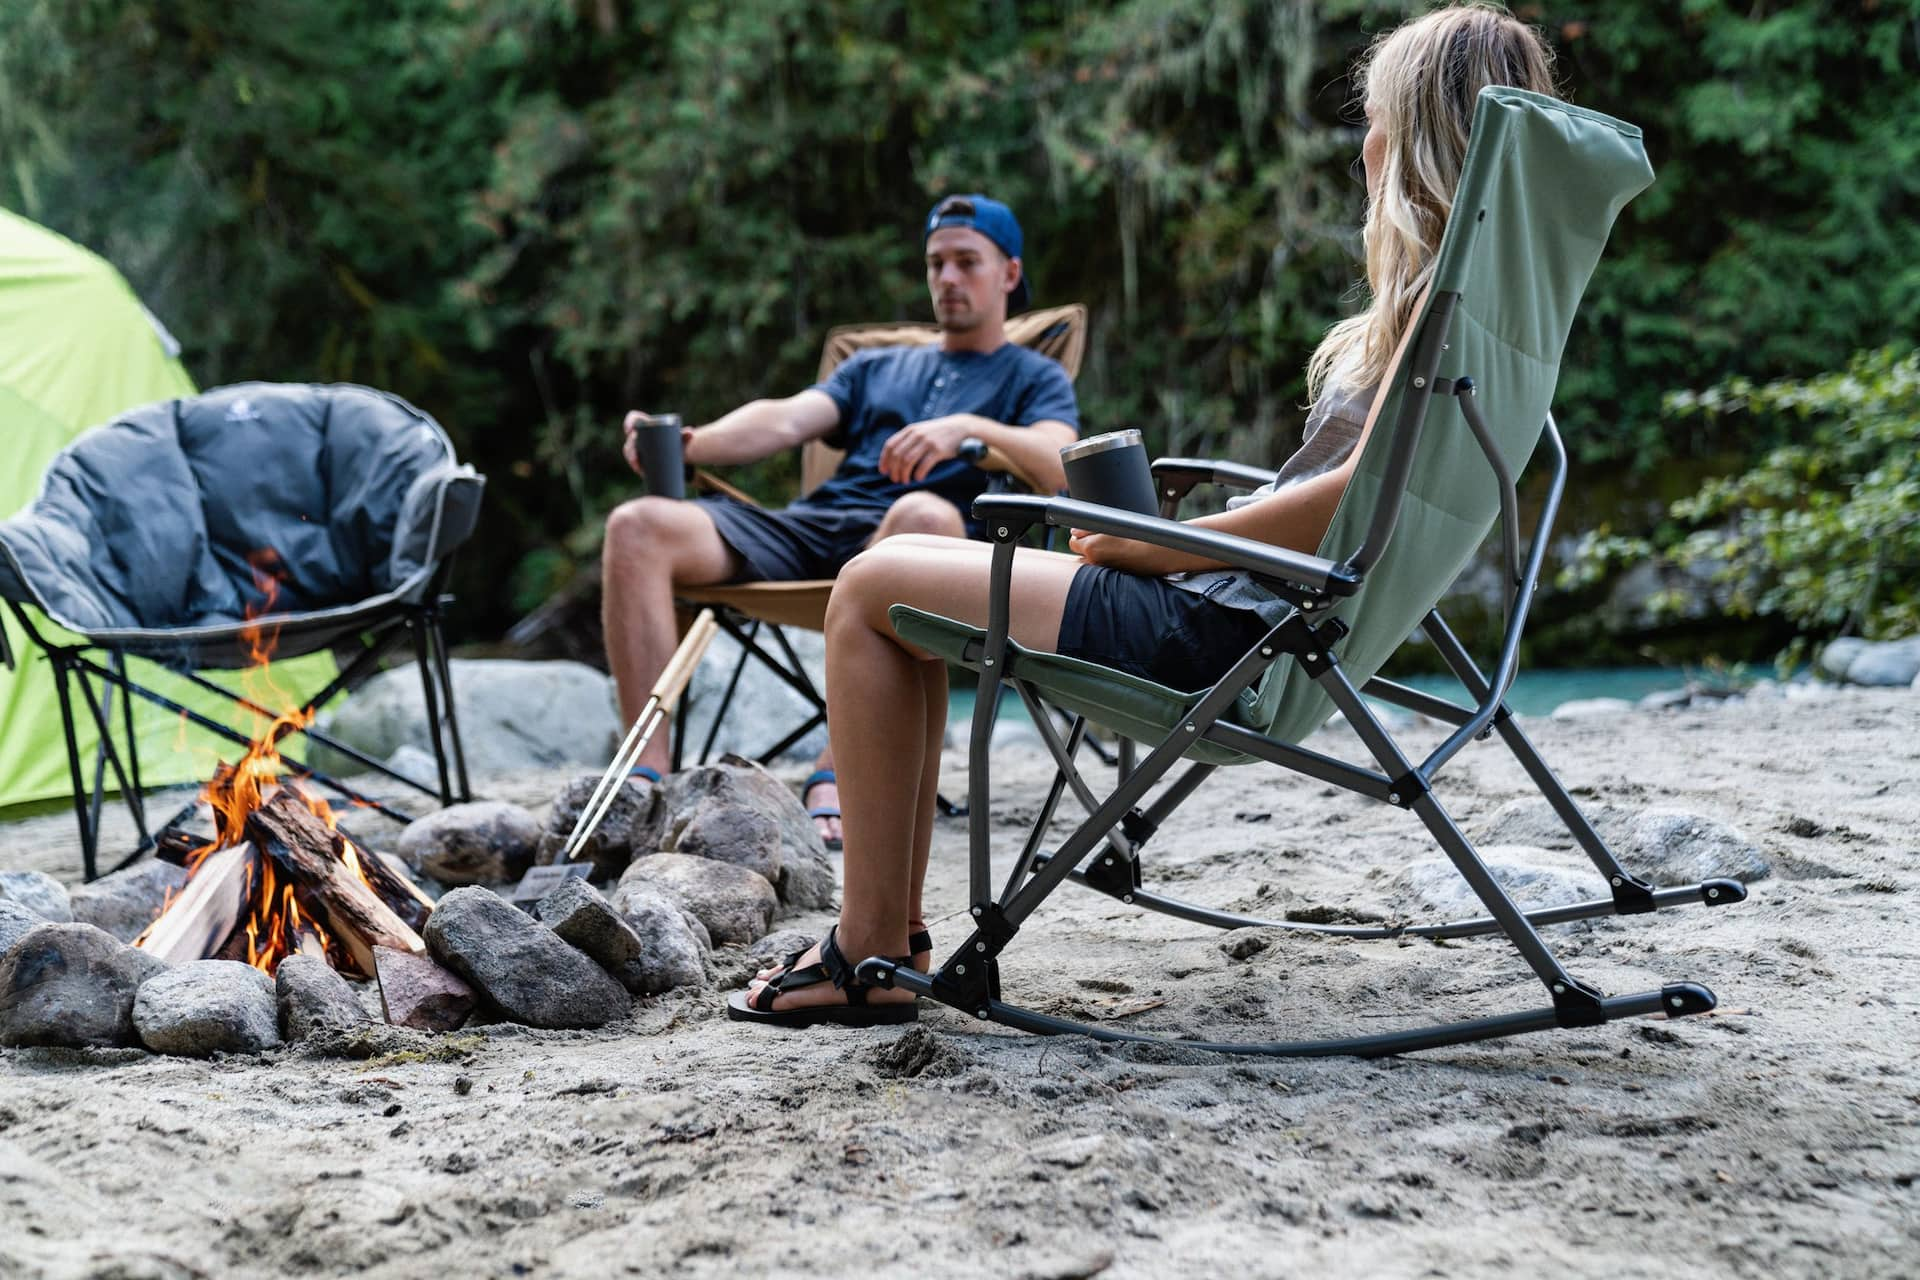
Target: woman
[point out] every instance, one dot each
(1112, 601)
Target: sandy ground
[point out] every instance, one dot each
(1779, 1137)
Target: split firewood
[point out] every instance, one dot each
(206, 913)
(402, 896)
(194, 828)
(305, 851)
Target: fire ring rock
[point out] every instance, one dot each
(630, 826)
(206, 1007)
(519, 965)
(15, 923)
(485, 842)
(310, 993)
(39, 893)
(72, 985)
(735, 904)
(649, 944)
(803, 875)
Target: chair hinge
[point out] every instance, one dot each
(1575, 1004)
(971, 977)
(1632, 896)
(1406, 789)
(1113, 875)
(1137, 827)
(1313, 644)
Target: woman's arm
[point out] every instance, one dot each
(1296, 518)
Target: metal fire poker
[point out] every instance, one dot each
(666, 691)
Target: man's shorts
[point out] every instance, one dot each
(1150, 628)
(791, 545)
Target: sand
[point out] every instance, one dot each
(1780, 1136)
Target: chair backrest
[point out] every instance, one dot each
(1060, 332)
(1541, 186)
(156, 521)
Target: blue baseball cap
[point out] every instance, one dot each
(994, 221)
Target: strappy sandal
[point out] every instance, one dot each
(834, 967)
(819, 778)
(918, 941)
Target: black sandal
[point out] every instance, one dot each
(917, 941)
(834, 967)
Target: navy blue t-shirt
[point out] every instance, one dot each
(883, 389)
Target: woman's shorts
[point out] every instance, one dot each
(1150, 628)
(793, 545)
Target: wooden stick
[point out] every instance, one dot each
(303, 848)
(207, 911)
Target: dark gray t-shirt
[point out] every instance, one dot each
(1333, 428)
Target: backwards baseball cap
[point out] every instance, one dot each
(994, 221)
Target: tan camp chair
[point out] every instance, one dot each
(747, 610)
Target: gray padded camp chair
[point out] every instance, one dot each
(159, 535)
(1542, 184)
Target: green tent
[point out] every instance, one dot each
(77, 349)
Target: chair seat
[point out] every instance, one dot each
(788, 604)
(1124, 704)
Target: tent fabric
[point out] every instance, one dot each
(183, 527)
(76, 349)
(1542, 184)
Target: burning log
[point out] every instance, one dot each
(303, 849)
(204, 916)
(403, 897)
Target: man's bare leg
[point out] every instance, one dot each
(652, 546)
(922, 512)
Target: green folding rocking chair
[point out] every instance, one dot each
(1461, 416)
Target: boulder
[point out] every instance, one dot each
(1839, 655)
(485, 842)
(415, 992)
(765, 708)
(1530, 821)
(1894, 664)
(632, 825)
(206, 1007)
(514, 716)
(1591, 708)
(310, 994)
(1668, 847)
(801, 872)
(735, 904)
(519, 965)
(673, 949)
(39, 893)
(1533, 877)
(127, 901)
(73, 985)
(15, 922)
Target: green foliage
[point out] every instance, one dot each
(1823, 531)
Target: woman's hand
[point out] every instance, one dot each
(1130, 555)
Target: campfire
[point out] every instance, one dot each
(277, 877)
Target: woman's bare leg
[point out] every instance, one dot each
(886, 714)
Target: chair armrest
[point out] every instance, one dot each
(987, 458)
(1185, 473)
(1260, 558)
(704, 479)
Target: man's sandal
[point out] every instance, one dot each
(834, 967)
(819, 778)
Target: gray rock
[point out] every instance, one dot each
(1530, 821)
(1591, 708)
(632, 825)
(520, 966)
(514, 716)
(127, 901)
(731, 833)
(648, 944)
(206, 1007)
(735, 904)
(765, 708)
(73, 985)
(1532, 877)
(804, 877)
(311, 994)
(415, 992)
(15, 922)
(39, 893)
(1673, 848)
(485, 842)
(1666, 700)
(1894, 663)
(1839, 655)
(418, 763)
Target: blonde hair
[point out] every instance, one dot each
(1419, 83)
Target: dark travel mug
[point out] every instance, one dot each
(1111, 470)
(656, 442)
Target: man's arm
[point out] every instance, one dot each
(754, 431)
(919, 447)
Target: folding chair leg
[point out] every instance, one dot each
(444, 669)
(418, 625)
(89, 831)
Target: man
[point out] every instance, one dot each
(900, 414)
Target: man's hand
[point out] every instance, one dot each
(917, 448)
(636, 420)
